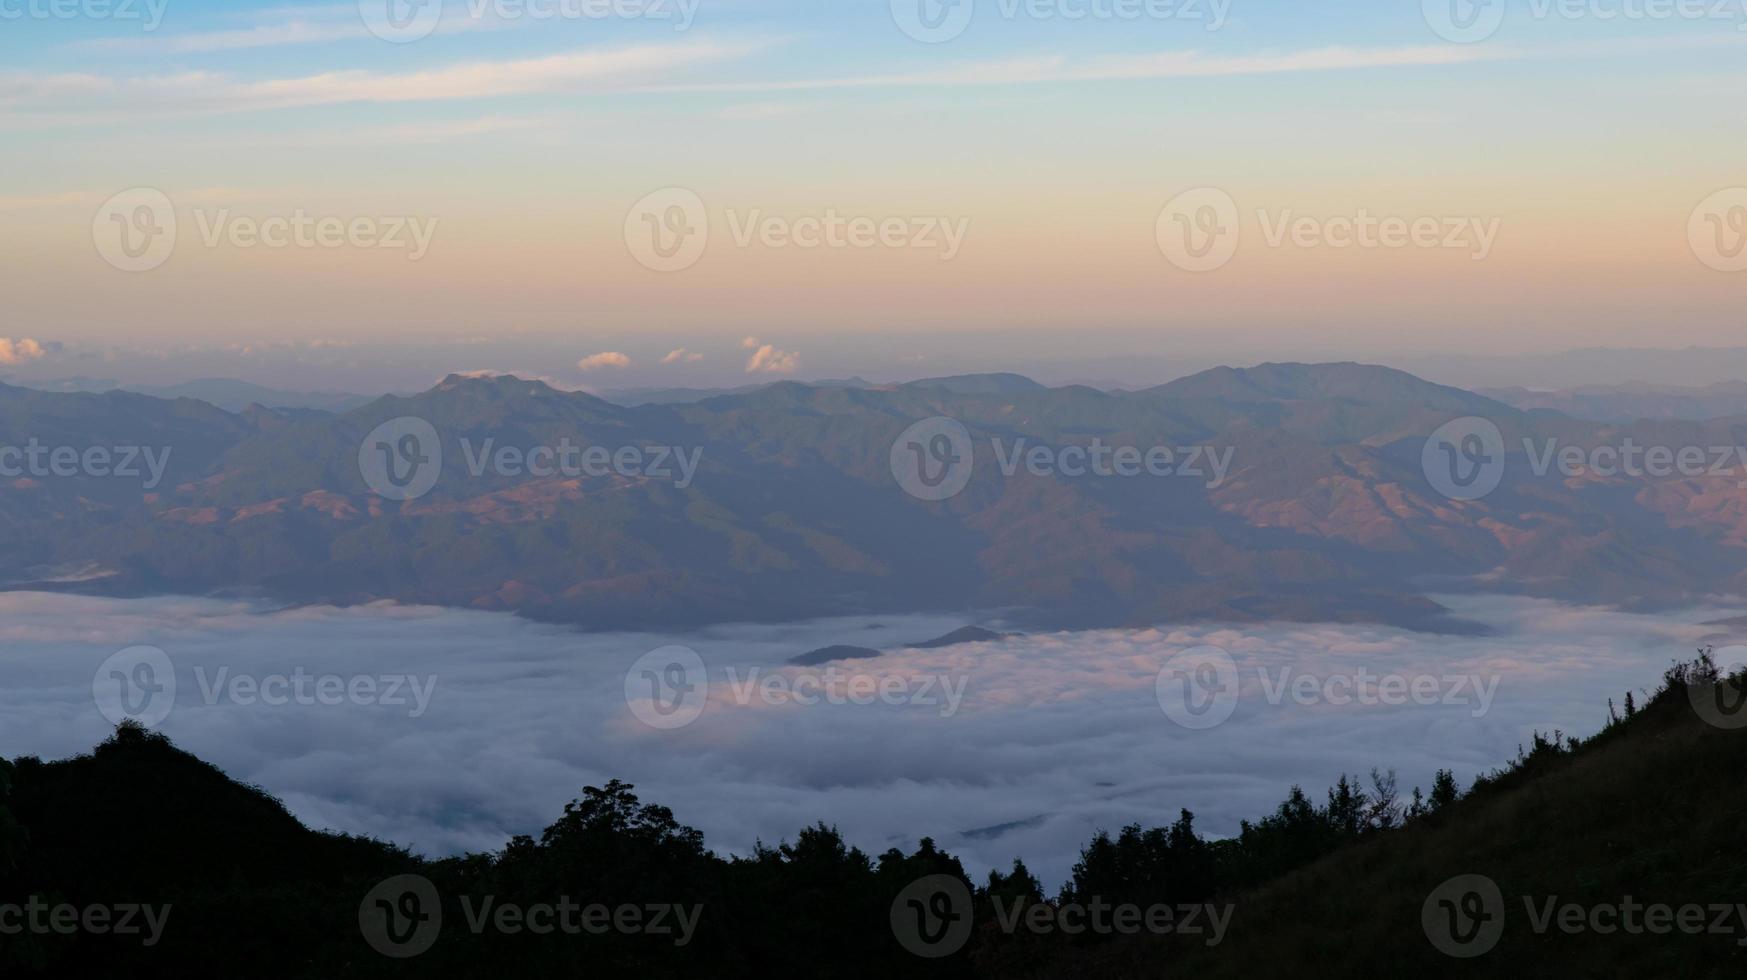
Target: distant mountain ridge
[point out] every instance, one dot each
(839, 652)
(226, 393)
(1630, 403)
(963, 384)
(981, 384)
(794, 511)
(633, 397)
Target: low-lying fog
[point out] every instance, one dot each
(448, 730)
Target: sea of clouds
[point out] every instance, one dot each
(1053, 736)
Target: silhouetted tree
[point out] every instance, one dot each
(1018, 884)
(1444, 791)
(1382, 810)
(1346, 808)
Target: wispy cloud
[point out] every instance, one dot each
(1166, 64)
(605, 359)
(80, 97)
(262, 36)
(1059, 68)
(74, 97)
(295, 26)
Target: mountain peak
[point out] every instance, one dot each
(471, 398)
(1347, 380)
(508, 387)
(483, 380)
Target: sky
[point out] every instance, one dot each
(734, 190)
(1024, 747)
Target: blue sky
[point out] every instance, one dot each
(1595, 142)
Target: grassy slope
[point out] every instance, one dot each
(1651, 810)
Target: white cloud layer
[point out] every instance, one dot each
(1058, 734)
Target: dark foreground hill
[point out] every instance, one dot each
(1648, 813)
(1626, 846)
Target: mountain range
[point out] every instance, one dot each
(226, 393)
(1326, 512)
(1628, 403)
